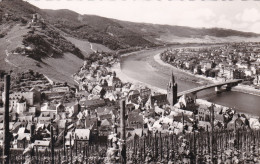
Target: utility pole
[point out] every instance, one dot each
(52, 146)
(212, 132)
(71, 161)
(123, 134)
(64, 147)
(6, 146)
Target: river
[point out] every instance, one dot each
(142, 67)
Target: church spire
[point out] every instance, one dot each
(172, 78)
(172, 91)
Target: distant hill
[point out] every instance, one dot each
(118, 34)
(167, 33)
(181, 31)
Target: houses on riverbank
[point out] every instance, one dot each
(231, 61)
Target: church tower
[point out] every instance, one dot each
(172, 91)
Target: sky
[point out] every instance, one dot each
(242, 15)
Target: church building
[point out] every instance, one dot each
(172, 91)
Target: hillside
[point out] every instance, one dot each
(55, 42)
(96, 29)
(57, 68)
(38, 46)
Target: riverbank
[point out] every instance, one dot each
(239, 88)
(246, 89)
(158, 59)
(218, 108)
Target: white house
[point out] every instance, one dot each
(21, 106)
(248, 72)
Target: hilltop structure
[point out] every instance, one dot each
(172, 91)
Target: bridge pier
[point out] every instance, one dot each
(194, 95)
(218, 89)
(228, 87)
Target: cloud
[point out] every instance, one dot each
(248, 15)
(200, 14)
(255, 27)
(196, 18)
(224, 22)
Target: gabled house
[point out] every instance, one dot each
(29, 118)
(149, 113)
(136, 133)
(160, 100)
(105, 127)
(98, 90)
(203, 113)
(41, 119)
(188, 102)
(135, 120)
(67, 138)
(82, 134)
(92, 103)
(62, 124)
(49, 114)
(41, 144)
(21, 106)
(183, 119)
(105, 117)
(60, 108)
(22, 140)
(91, 123)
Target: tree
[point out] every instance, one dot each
(30, 71)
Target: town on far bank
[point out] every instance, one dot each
(46, 114)
(219, 63)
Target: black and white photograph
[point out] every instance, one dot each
(130, 81)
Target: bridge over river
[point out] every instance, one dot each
(229, 84)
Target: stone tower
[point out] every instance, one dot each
(172, 91)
